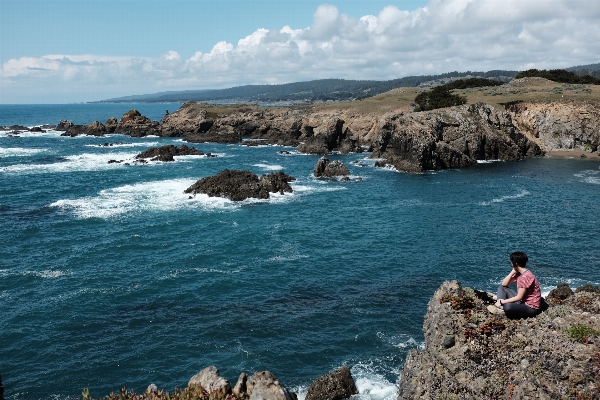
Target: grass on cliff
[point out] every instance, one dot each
(534, 90)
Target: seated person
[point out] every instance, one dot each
(527, 300)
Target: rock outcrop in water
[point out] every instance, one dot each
(471, 354)
(238, 185)
(166, 153)
(328, 169)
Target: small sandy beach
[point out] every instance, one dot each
(573, 153)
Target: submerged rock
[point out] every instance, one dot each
(239, 185)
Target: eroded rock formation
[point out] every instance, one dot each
(327, 169)
(239, 185)
(166, 153)
(471, 354)
(559, 125)
(336, 385)
(450, 138)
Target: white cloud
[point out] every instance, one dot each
(446, 35)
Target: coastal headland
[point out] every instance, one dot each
(528, 117)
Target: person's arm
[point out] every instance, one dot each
(510, 278)
(514, 299)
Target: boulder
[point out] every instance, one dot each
(94, 129)
(111, 125)
(135, 124)
(239, 185)
(265, 386)
(336, 385)
(211, 380)
(561, 292)
(166, 153)
(240, 387)
(327, 169)
(63, 125)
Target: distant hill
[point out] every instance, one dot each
(325, 89)
(590, 69)
(311, 91)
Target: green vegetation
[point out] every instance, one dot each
(559, 75)
(580, 332)
(438, 97)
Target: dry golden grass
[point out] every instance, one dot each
(535, 90)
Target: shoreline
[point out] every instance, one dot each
(572, 154)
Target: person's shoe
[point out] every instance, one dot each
(493, 296)
(495, 310)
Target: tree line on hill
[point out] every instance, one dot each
(344, 90)
(560, 76)
(442, 96)
(311, 91)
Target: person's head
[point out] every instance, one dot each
(519, 259)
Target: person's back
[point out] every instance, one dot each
(527, 300)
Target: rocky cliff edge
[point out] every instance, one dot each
(472, 354)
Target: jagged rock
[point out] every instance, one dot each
(265, 386)
(239, 185)
(64, 124)
(561, 292)
(166, 153)
(327, 169)
(37, 129)
(211, 380)
(336, 385)
(588, 288)
(240, 387)
(135, 124)
(496, 357)
(152, 389)
(94, 129)
(450, 138)
(559, 125)
(111, 125)
(189, 119)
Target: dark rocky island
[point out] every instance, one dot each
(238, 185)
(166, 153)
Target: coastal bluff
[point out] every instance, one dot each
(472, 354)
(394, 134)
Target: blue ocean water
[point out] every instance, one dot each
(110, 276)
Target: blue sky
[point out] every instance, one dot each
(84, 50)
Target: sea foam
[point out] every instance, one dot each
(19, 152)
(523, 193)
(589, 176)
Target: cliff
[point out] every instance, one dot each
(471, 354)
(452, 137)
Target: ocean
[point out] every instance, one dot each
(111, 276)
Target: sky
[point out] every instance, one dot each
(64, 51)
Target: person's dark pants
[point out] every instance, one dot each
(515, 310)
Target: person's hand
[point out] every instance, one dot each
(497, 304)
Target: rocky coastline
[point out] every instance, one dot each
(472, 354)
(453, 137)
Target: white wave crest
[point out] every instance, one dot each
(114, 145)
(27, 134)
(269, 167)
(80, 162)
(523, 193)
(488, 161)
(589, 176)
(153, 196)
(19, 152)
(372, 385)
